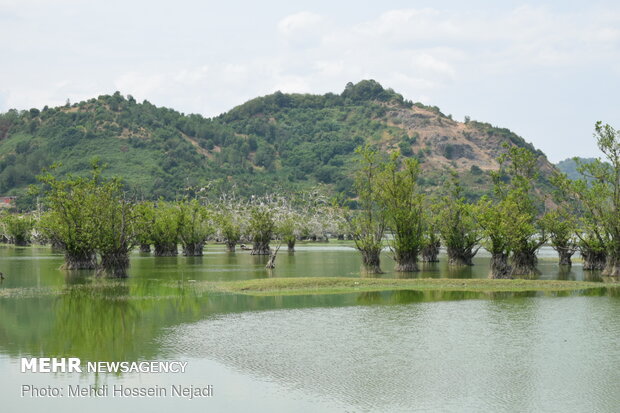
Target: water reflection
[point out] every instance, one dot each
(372, 351)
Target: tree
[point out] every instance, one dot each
(145, 217)
(87, 215)
(229, 228)
(230, 219)
(560, 226)
(288, 228)
(457, 225)
(368, 225)
(260, 228)
(432, 241)
(115, 216)
(599, 196)
(18, 228)
(165, 229)
(70, 219)
(585, 197)
(493, 217)
(402, 202)
(194, 227)
(519, 168)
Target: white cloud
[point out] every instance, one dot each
(141, 85)
(303, 29)
(299, 22)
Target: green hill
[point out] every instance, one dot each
(569, 167)
(276, 142)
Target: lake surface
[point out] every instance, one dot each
(389, 351)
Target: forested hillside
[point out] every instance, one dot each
(276, 142)
(569, 167)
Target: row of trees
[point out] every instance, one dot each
(512, 223)
(91, 218)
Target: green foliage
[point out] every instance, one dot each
(517, 201)
(194, 225)
(230, 226)
(368, 225)
(145, 217)
(561, 227)
(87, 215)
(116, 227)
(165, 229)
(402, 202)
(71, 220)
(493, 219)
(457, 225)
(261, 227)
(289, 228)
(598, 193)
(18, 228)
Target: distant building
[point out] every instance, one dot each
(7, 201)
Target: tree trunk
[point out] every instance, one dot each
(499, 266)
(524, 263)
(593, 260)
(406, 261)
(56, 245)
(145, 248)
(291, 244)
(430, 252)
(372, 261)
(115, 264)
(261, 248)
(230, 246)
(612, 267)
(460, 257)
(166, 250)
(565, 256)
(80, 261)
(21, 242)
(193, 249)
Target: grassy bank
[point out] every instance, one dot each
(340, 285)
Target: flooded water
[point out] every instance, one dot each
(388, 351)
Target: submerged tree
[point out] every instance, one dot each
(431, 239)
(229, 228)
(18, 228)
(165, 229)
(144, 222)
(87, 215)
(368, 225)
(593, 246)
(560, 226)
(457, 225)
(70, 220)
(194, 227)
(289, 228)
(493, 217)
(116, 218)
(513, 185)
(230, 220)
(260, 228)
(599, 194)
(402, 202)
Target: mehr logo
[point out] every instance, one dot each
(51, 365)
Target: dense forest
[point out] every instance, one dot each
(279, 142)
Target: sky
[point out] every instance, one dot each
(548, 70)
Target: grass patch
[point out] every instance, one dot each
(340, 285)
